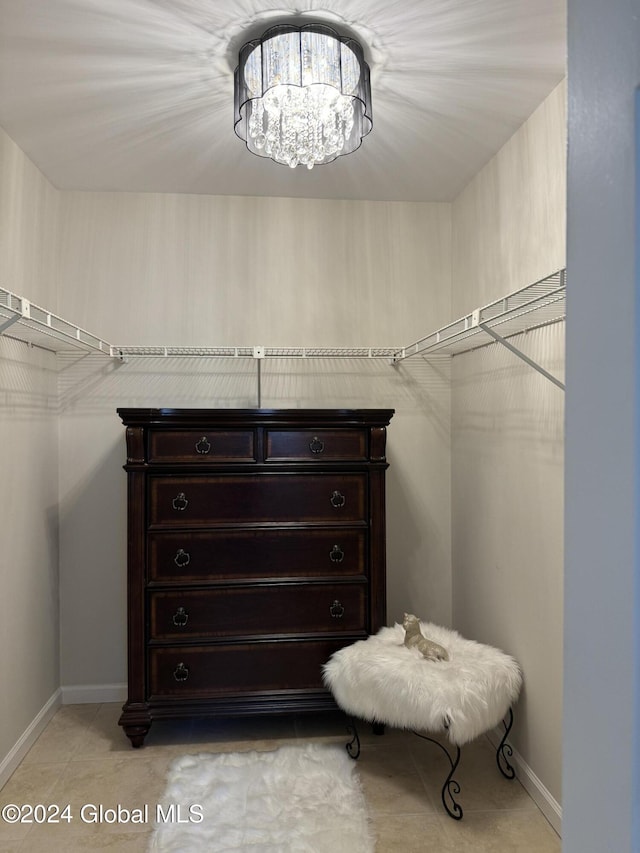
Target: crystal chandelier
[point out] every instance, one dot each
(302, 95)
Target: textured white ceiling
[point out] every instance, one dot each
(138, 94)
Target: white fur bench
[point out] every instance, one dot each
(382, 681)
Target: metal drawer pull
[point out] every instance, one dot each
(336, 610)
(336, 554)
(180, 617)
(315, 445)
(181, 672)
(182, 558)
(338, 500)
(180, 502)
(203, 445)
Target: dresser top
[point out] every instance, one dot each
(277, 417)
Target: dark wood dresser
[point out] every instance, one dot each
(256, 548)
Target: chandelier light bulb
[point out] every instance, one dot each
(302, 95)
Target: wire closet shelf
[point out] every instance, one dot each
(253, 352)
(531, 307)
(35, 325)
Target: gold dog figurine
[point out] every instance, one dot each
(415, 639)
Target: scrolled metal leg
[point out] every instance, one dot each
(504, 751)
(451, 786)
(353, 747)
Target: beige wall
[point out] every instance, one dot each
(509, 223)
(209, 270)
(507, 430)
(29, 645)
(193, 270)
(29, 238)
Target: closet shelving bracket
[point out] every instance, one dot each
(522, 356)
(531, 307)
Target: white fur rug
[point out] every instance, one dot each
(297, 799)
(381, 680)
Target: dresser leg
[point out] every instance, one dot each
(136, 722)
(136, 734)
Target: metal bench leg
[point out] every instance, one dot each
(504, 751)
(451, 786)
(353, 747)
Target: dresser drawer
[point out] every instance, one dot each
(269, 498)
(201, 446)
(236, 669)
(265, 609)
(197, 556)
(316, 445)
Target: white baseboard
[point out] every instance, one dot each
(87, 694)
(31, 734)
(541, 796)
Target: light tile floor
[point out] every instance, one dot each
(83, 757)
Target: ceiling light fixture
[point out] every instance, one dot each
(302, 95)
